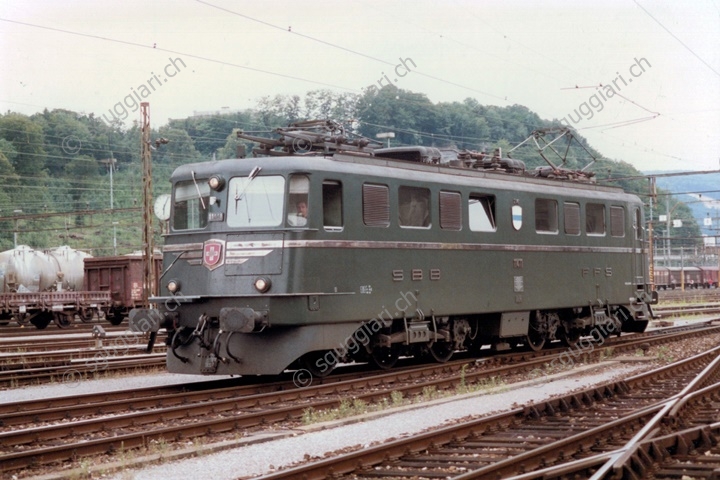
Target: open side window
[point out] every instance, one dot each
(332, 205)
(298, 206)
(481, 213)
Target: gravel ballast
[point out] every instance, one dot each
(81, 387)
(258, 458)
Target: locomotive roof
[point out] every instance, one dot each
(370, 166)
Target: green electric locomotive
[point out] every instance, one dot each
(326, 249)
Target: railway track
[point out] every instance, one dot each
(31, 357)
(600, 430)
(690, 295)
(685, 310)
(71, 373)
(74, 360)
(45, 432)
(71, 360)
(7, 332)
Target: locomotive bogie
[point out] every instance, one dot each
(358, 258)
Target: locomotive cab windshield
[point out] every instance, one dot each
(190, 208)
(256, 202)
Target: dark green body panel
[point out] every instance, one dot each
(322, 277)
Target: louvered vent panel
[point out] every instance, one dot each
(450, 211)
(376, 205)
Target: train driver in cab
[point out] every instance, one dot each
(299, 219)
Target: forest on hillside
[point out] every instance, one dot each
(57, 167)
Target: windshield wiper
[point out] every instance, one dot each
(239, 195)
(202, 202)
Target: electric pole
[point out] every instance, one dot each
(651, 253)
(148, 264)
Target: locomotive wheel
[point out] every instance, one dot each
(314, 362)
(440, 351)
(41, 320)
(535, 342)
(571, 338)
(384, 357)
(536, 334)
(22, 319)
(63, 320)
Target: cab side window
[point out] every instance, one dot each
(298, 207)
(332, 205)
(638, 224)
(190, 208)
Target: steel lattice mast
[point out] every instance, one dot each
(147, 241)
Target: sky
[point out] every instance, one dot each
(640, 79)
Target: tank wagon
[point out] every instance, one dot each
(40, 287)
(328, 250)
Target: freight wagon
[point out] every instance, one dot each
(58, 285)
(694, 277)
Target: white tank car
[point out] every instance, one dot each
(4, 257)
(70, 265)
(28, 270)
(24, 269)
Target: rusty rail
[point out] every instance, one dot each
(149, 424)
(488, 448)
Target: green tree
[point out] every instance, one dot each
(7, 178)
(82, 174)
(230, 149)
(461, 127)
(66, 137)
(411, 116)
(28, 141)
(328, 105)
(179, 150)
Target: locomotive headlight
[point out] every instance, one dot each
(262, 284)
(173, 286)
(216, 182)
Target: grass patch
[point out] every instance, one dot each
(349, 408)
